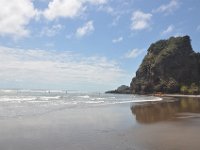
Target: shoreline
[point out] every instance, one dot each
(159, 95)
(180, 95)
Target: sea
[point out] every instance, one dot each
(17, 103)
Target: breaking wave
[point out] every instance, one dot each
(27, 102)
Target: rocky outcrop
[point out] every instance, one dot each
(123, 89)
(170, 66)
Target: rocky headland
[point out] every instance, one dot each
(170, 66)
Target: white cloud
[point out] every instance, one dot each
(63, 8)
(68, 8)
(117, 40)
(168, 8)
(96, 2)
(140, 20)
(51, 31)
(134, 53)
(15, 15)
(51, 67)
(85, 29)
(168, 30)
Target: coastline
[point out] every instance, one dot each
(180, 95)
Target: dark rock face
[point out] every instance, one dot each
(123, 89)
(168, 65)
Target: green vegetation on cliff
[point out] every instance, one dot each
(170, 66)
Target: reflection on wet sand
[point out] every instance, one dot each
(165, 110)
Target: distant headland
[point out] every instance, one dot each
(170, 66)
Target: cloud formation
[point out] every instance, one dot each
(168, 30)
(140, 20)
(53, 67)
(168, 8)
(134, 53)
(15, 16)
(63, 8)
(117, 40)
(68, 8)
(51, 31)
(86, 29)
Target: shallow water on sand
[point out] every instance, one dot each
(82, 121)
(15, 103)
(167, 110)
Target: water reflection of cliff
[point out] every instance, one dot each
(149, 113)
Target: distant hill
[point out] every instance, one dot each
(123, 89)
(170, 66)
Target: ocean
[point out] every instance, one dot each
(16, 103)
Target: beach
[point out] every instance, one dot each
(99, 75)
(157, 125)
(171, 124)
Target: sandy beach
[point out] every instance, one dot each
(99, 75)
(144, 126)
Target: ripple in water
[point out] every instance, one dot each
(15, 103)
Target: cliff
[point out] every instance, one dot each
(170, 66)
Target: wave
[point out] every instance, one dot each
(28, 98)
(74, 99)
(6, 91)
(49, 97)
(18, 105)
(139, 101)
(94, 102)
(85, 96)
(7, 99)
(109, 102)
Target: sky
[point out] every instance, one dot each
(86, 45)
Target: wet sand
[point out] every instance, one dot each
(171, 124)
(149, 126)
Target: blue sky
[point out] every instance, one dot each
(87, 45)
